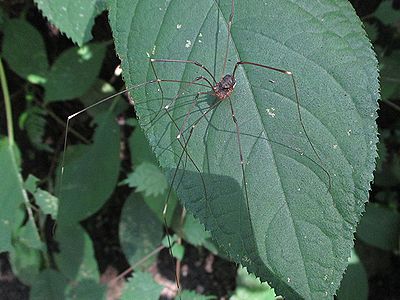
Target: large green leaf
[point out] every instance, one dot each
(293, 229)
(73, 17)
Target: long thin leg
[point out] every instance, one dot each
(72, 116)
(152, 61)
(297, 104)
(184, 151)
(242, 166)
(229, 36)
(186, 62)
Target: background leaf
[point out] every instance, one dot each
(76, 257)
(380, 227)
(386, 14)
(75, 18)
(49, 284)
(91, 173)
(141, 286)
(12, 193)
(300, 231)
(74, 72)
(140, 230)
(24, 50)
(147, 178)
(355, 281)
(250, 287)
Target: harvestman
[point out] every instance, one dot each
(221, 90)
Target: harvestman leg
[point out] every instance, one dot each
(297, 105)
(70, 117)
(185, 144)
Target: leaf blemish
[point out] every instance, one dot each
(188, 44)
(271, 112)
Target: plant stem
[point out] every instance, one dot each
(7, 102)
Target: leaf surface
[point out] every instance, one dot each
(294, 226)
(75, 18)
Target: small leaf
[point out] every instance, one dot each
(147, 178)
(47, 202)
(24, 50)
(73, 17)
(194, 231)
(34, 125)
(30, 183)
(380, 227)
(140, 230)
(74, 72)
(141, 286)
(250, 287)
(178, 250)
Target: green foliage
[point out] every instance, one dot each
(194, 296)
(147, 178)
(76, 258)
(48, 285)
(387, 14)
(389, 66)
(74, 72)
(380, 227)
(12, 194)
(71, 75)
(141, 286)
(355, 282)
(47, 202)
(75, 18)
(194, 231)
(295, 217)
(34, 122)
(249, 287)
(140, 230)
(298, 231)
(87, 182)
(24, 50)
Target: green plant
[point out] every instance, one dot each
(300, 230)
